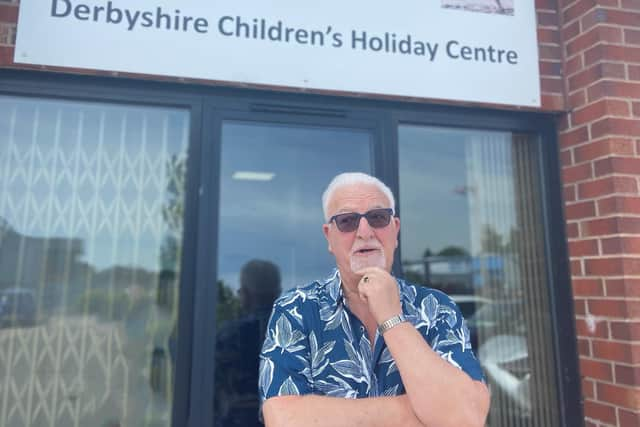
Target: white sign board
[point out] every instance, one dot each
(467, 50)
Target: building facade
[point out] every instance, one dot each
(147, 222)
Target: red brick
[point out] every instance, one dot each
(596, 91)
(573, 65)
(595, 73)
(580, 306)
(628, 418)
(612, 266)
(627, 375)
(634, 72)
(6, 55)
(616, 351)
(600, 412)
(588, 388)
(587, 287)
(621, 165)
(584, 347)
(622, 17)
(550, 68)
(576, 267)
(602, 148)
(596, 328)
(607, 186)
(619, 204)
(636, 108)
(577, 9)
(615, 126)
(626, 287)
(553, 85)
(553, 102)
(546, 4)
(593, 17)
(548, 35)
(620, 89)
(592, 37)
(631, 36)
(625, 331)
(631, 4)
(569, 193)
(9, 13)
(613, 307)
(580, 210)
(576, 136)
(577, 99)
(621, 396)
(621, 245)
(572, 230)
(547, 19)
(549, 52)
(579, 248)
(599, 109)
(577, 173)
(571, 30)
(605, 226)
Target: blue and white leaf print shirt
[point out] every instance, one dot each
(315, 345)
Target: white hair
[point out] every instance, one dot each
(353, 178)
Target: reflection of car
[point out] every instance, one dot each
(17, 307)
(469, 304)
(495, 318)
(505, 361)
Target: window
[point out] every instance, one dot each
(91, 200)
(471, 209)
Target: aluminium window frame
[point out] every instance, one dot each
(208, 105)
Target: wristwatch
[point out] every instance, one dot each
(390, 323)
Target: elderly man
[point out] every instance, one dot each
(362, 347)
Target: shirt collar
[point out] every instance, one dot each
(332, 287)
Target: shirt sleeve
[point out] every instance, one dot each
(285, 367)
(450, 338)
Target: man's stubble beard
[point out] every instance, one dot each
(377, 259)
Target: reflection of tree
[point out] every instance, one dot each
(228, 304)
(491, 240)
(453, 251)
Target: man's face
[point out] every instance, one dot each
(366, 246)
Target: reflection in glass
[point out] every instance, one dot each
(471, 226)
(91, 200)
(270, 238)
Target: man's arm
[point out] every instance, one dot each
(316, 411)
(440, 394)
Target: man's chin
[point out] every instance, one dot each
(360, 262)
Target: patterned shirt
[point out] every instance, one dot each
(315, 345)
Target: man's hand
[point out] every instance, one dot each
(380, 291)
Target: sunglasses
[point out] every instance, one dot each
(348, 222)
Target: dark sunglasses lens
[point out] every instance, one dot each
(378, 218)
(347, 222)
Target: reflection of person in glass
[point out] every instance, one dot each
(362, 347)
(238, 346)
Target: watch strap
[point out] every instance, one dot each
(390, 323)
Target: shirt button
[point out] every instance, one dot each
(361, 328)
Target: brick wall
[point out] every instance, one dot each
(600, 152)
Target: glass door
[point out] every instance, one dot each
(270, 239)
(91, 198)
(471, 211)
